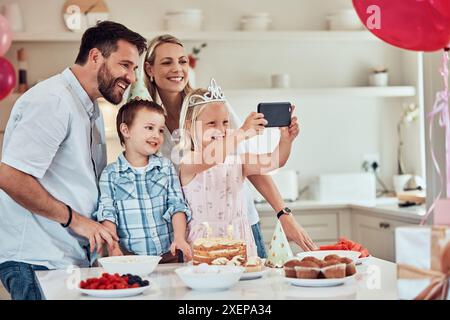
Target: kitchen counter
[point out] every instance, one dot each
(381, 206)
(375, 279)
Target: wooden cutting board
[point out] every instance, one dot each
(417, 197)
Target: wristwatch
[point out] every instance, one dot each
(284, 211)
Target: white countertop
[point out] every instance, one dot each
(385, 206)
(375, 279)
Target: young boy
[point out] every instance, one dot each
(141, 197)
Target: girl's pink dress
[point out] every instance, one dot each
(217, 196)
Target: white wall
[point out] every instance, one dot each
(336, 132)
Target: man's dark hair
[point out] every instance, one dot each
(104, 36)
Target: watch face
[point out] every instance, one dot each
(287, 210)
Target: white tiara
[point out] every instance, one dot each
(214, 93)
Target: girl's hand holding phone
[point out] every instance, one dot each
(253, 125)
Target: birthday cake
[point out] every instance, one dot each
(219, 251)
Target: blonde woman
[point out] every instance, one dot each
(167, 79)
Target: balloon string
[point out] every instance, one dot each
(440, 108)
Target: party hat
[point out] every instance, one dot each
(138, 90)
(279, 250)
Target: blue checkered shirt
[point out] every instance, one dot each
(142, 205)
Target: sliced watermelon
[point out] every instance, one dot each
(346, 244)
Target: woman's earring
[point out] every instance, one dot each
(151, 79)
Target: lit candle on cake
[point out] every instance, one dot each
(230, 231)
(208, 229)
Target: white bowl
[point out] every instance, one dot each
(192, 12)
(346, 19)
(354, 255)
(225, 278)
(255, 23)
(185, 20)
(136, 265)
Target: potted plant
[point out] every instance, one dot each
(193, 58)
(409, 115)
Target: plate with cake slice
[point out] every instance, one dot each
(254, 275)
(254, 268)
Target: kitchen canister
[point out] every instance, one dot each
(379, 78)
(281, 81)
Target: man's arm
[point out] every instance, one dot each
(29, 193)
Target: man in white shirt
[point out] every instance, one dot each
(53, 153)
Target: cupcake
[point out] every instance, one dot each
(307, 270)
(334, 269)
(289, 268)
(332, 257)
(313, 259)
(350, 268)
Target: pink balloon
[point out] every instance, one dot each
(7, 78)
(5, 35)
(419, 25)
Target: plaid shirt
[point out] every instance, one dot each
(142, 205)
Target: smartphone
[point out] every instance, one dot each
(277, 114)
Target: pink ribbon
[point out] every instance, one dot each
(440, 108)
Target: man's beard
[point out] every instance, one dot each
(107, 84)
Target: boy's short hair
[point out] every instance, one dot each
(128, 111)
(104, 36)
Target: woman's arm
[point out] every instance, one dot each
(294, 232)
(258, 164)
(267, 188)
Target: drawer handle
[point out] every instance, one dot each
(385, 225)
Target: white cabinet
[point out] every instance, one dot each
(376, 233)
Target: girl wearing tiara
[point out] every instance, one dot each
(212, 175)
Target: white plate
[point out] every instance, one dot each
(362, 260)
(318, 282)
(354, 255)
(254, 275)
(116, 293)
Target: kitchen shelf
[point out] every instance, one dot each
(304, 36)
(369, 92)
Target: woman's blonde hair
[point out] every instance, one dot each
(150, 59)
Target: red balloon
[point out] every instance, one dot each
(419, 25)
(7, 78)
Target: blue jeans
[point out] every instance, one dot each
(257, 234)
(20, 281)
